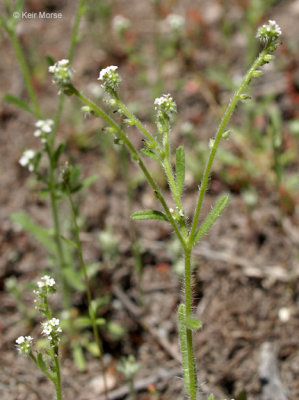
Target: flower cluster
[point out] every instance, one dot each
(110, 77)
(165, 105)
(27, 159)
(52, 329)
(175, 23)
(62, 75)
(269, 32)
(120, 24)
(46, 282)
(44, 128)
(24, 344)
(177, 213)
(45, 286)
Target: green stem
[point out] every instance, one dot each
(188, 304)
(135, 155)
(25, 71)
(33, 358)
(58, 113)
(57, 233)
(70, 56)
(132, 117)
(57, 381)
(229, 110)
(92, 314)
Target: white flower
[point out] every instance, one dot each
(120, 24)
(45, 127)
(62, 75)
(165, 104)
(52, 329)
(24, 344)
(175, 22)
(27, 158)
(110, 77)
(270, 31)
(46, 281)
(20, 340)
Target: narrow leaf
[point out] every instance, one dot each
(70, 242)
(59, 151)
(180, 168)
(149, 214)
(89, 181)
(192, 323)
(49, 59)
(150, 154)
(211, 397)
(73, 278)
(82, 322)
(17, 102)
(41, 234)
(42, 366)
(78, 357)
(211, 218)
(92, 347)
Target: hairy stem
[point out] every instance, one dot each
(188, 305)
(57, 381)
(229, 110)
(92, 314)
(98, 111)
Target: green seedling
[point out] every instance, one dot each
(129, 367)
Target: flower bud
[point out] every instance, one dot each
(62, 76)
(110, 77)
(256, 74)
(269, 32)
(165, 105)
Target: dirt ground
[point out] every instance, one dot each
(246, 268)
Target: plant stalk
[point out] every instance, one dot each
(92, 314)
(227, 115)
(188, 305)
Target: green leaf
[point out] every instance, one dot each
(211, 397)
(58, 152)
(89, 181)
(211, 218)
(78, 357)
(192, 323)
(82, 322)
(115, 329)
(41, 234)
(73, 278)
(92, 347)
(242, 396)
(42, 366)
(180, 169)
(150, 154)
(50, 60)
(19, 5)
(149, 214)
(70, 242)
(17, 102)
